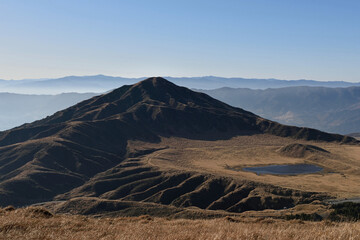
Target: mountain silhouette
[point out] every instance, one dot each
(55, 155)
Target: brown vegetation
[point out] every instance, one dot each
(23, 224)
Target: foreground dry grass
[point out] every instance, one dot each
(32, 223)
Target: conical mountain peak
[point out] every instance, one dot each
(159, 91)
(156, 81)
(155, 84)
(163, 108)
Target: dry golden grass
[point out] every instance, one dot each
(340, 179)
(31, 223)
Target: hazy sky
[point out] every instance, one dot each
(307, 39)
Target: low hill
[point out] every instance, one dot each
(298, 150)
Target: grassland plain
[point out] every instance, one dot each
(341, 162)
(38, 223)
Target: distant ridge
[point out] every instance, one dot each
(52, 156)
(17, 109)
(102, 83)
(328, 109)
(355, 135)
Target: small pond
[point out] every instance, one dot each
(285, 169)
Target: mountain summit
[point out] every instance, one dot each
(54, 155)
(159, 107)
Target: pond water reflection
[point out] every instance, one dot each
(294, 169)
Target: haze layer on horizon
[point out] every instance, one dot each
(251, 39)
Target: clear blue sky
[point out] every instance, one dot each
(307, 39)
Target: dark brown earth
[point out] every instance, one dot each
(83, 152)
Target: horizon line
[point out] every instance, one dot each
(203, 76)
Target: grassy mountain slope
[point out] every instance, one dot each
(87, 150)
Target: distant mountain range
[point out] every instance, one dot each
(101, 83)
(328, 109)
(17, 109)
(85, 84)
